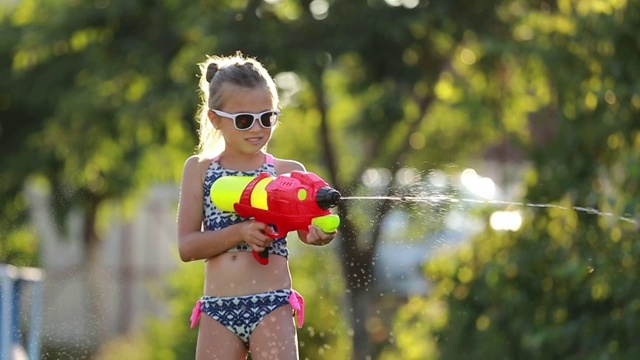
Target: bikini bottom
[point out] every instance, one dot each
(242, 314)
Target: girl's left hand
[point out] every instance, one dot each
(317, 237)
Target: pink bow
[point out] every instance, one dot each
(195, 313)
(297, 303)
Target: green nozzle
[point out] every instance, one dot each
(327, 223)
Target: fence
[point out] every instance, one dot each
(17, 285)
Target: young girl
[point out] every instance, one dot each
(247, 306)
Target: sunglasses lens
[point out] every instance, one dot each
(269, 119)
(244, 121)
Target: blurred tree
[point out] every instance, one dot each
(92, 110)
(18, 245)
(377, 80)
(565, 285)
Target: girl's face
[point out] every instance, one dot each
(244, 100)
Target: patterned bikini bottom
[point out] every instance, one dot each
(242, 314)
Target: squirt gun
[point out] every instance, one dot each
(286, 202)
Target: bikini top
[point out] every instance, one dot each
(216, 219)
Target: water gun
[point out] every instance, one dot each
(285, 202)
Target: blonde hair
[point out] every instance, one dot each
(216, 72)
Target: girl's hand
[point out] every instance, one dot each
(317, 237)
(255, 233)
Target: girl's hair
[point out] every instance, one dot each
(216, 72)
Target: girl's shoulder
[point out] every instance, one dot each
(285, 166)
(199, 161)
(197, 164)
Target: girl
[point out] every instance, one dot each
(247, 306)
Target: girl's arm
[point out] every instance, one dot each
(193, 242)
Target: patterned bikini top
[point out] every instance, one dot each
(216, 219)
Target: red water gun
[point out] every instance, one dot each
(286, 202)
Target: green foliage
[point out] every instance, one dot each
(569, 294)
(564, 286)
(128, 347)
(19, 247)
(172, 338)
(91, 84)
(317, 276)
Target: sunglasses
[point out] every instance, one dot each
(244, 121)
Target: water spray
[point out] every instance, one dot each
(291, 202)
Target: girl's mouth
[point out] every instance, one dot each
(254, 139)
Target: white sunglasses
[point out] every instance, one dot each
(244, 121)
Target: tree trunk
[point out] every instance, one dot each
(94, 271)
(361, 343)
(357, 266)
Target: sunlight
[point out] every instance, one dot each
(373, 178)
(319, 9)
(467, 56)
(409, 4)
(438, 178)
(506, 220)
(289, 84)
(407, 176)
(481, 186)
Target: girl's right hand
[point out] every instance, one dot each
(255, 233)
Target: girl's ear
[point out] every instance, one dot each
(214, 119)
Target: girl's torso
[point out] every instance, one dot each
(236, 272)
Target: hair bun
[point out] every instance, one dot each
(212, 69)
